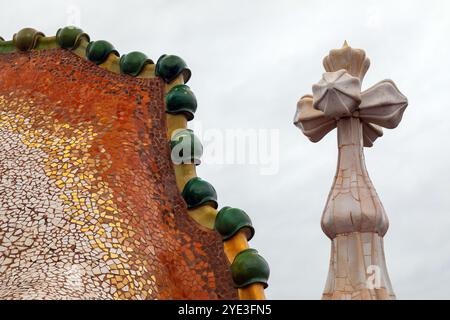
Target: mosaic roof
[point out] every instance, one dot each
(91, 204)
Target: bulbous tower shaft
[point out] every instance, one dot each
(355, 221)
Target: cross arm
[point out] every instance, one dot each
(383, 105)
(313, 123)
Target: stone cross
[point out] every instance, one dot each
(354, 218)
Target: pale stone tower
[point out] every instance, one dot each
(354, 218)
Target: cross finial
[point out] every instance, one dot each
(353, 218)
(339, 95)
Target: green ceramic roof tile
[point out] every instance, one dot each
(26, 39)
(198, 192)
(230, 221)
(133, 63)
(98, 51)
(70, 37)
(181, 100)
(248, 268)
(186, 148)
(169, 67)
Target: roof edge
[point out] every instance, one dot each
(100, 52)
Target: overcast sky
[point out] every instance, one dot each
(251, 62)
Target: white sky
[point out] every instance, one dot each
(251, 62)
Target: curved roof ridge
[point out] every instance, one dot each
(101, 52)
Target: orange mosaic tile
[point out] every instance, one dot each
(89, 207)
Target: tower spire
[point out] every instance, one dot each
(354, 218)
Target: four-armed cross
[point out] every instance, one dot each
(354, 218)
